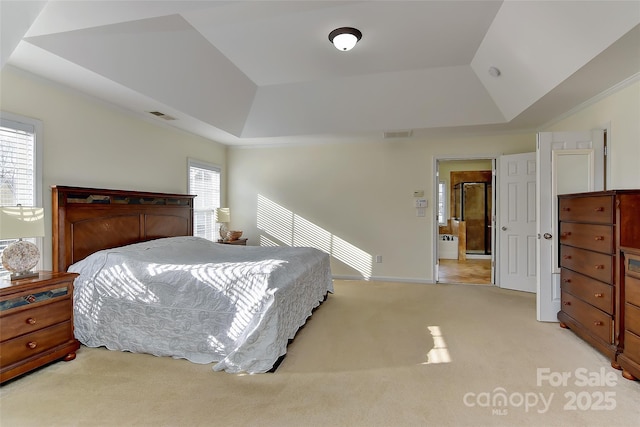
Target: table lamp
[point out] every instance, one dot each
(18, 222)
(223, 217)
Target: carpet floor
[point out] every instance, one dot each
(374, 354)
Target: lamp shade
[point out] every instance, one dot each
(17, 222)
(222, 215)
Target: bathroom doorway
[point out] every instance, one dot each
(464, 249)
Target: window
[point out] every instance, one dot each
(204, 183)
(442, 203)
(20, 167)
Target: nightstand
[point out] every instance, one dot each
(36, 318)
(242, 242)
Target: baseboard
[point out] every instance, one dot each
(383, 279)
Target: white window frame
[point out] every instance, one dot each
(28, 124)
(442, 200)
(193, 163)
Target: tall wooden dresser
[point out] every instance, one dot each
(592, 228)
(629, 359)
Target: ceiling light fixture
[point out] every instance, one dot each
(345, 38)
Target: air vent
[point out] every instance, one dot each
(162, 115)
(398, 134)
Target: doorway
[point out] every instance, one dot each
(465, 241)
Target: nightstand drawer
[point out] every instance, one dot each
(593, 264)
(27, 321)
(594, 209)
(33, 298)
(590, 290)
(32, 344)
(597, 322)
(594, 237)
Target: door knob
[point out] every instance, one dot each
(504, 228)
(547, 236)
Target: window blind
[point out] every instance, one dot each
(204, 183)
(17, 163)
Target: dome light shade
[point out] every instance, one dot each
(345, 38)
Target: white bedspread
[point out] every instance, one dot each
(190, 298)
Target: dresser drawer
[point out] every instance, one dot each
(597, 322)
(632, 346)
(596, 209)
(587, 289)
(32, 344)
(595, 237)
(593, 264)
(632, 318)
(27, 321)
(632, 290)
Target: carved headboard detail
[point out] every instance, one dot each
(86, 220)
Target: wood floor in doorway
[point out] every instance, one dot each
(472, 271)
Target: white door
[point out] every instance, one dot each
(517, 222)
(568, 162)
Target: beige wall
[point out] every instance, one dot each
(90, 144)
(353, 199)
(620, 112)
(357, 200)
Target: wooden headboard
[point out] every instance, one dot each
(86, 220)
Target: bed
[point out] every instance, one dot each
(147, 285)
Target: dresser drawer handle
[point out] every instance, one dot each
(599, 267)
(567, 303)
(566, 280)
(566, 209)
(566, 257)
(598, 295)
(32, 344)
(599, 209)
(565, 234)
(31, 321)
(599, 237)
(597, 323)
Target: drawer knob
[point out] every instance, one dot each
(598, 295)
(597, 323)
(566, 280)
(599, 209)
(32, 344)
(31, 321)
(599, 237)
(599, 267)
(566, 209)
(566, 257)
(567, 303)
(566, 234)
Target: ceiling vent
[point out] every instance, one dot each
(162, 115)
(398, 134)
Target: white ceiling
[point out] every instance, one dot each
(255, 72)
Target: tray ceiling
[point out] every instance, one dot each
(255, 72)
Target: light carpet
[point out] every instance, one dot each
(374, 354)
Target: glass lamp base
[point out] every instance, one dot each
(19, 258)
(223, 231)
